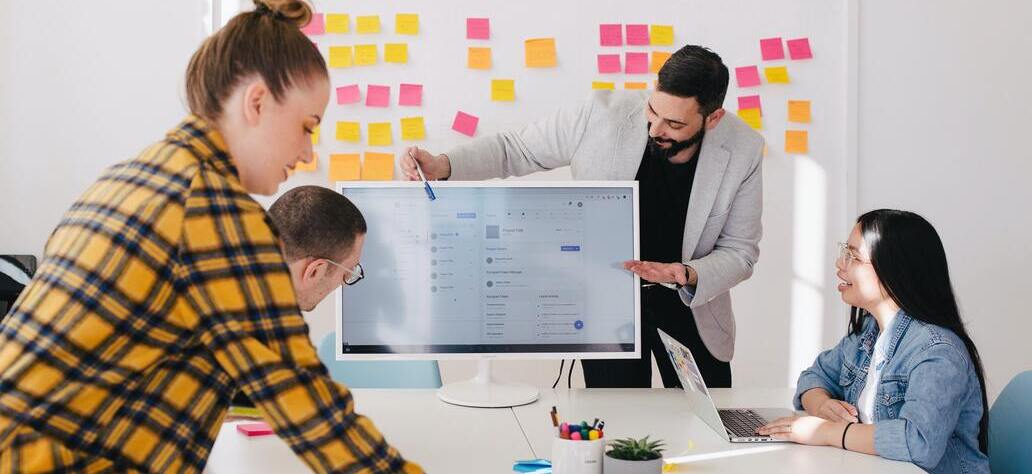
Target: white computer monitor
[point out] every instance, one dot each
(493, 269)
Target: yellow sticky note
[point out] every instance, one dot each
(315, 135)
(413, 128)
(751, 117)
(503, 90)
(396, 53)
(368, 24)
(540, 52)
(659, 58)
(345, 167)
(338, 23)
(603, 85)
(314, 165)
(378, 166)
(661, 35)
(635, 85)
(478, 58)
(799, 111)
(380, 134)
(406, 24)
(797, 141)
(776, 75)
(340, 56)
(349, 132)
(366, 54)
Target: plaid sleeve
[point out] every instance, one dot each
(239, 288)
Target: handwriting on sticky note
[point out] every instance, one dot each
(340, 56)
(659, 58)
(771, 49)
(503, 90)
(396, 53)
(378, 96)
(750, 102)
(662, 35)
(601, 85)
(406, 24)
(637, 35)
(380, 134)
(610, 34)
(315, 135)
(410, 95)
(478, 58)
(310, 166)
(315, 26)
(799, 48)
(540, 52)
(337, 23)
(751, 117)
(465, 124)
(413, 128)
(367, 24)
(776, 75)
(348, 94)
(747, 76)
(799, 111)
(366, 54)
(349, 132)
(378, 166)
(635, 85)
(345, 167)
(636, 63)
(478, 28)
(797, 141)
(609, 64)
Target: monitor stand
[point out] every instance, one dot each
(483, 391)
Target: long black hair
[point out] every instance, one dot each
(910, 261)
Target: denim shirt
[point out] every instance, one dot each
(929, 402)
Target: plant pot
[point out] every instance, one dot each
(620, 466)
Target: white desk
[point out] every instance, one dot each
(455, 440)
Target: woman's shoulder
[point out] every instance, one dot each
(924, 340)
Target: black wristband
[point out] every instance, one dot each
(844, 431)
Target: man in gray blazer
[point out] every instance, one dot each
(700, 181)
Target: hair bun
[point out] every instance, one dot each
(297, 12)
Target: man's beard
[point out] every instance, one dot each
(675, 146)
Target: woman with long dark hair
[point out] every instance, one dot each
(906, 383)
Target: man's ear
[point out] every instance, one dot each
(715, 118)
(255, 94)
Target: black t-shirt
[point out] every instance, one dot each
(664, 190)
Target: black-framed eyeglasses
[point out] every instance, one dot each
(351, 275)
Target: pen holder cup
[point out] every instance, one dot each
(577, 457)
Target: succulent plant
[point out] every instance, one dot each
(630, 449)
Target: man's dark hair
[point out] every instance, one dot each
(314, 221)
(695, 71)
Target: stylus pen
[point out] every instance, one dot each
(426, 184)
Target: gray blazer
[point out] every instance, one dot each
(604, 139)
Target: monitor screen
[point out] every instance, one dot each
(507, 268)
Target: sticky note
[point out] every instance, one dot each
(637, 35)
(406, 24)
(315, 26)
(411, 95)
(635, 85)
(503, 90)
(478, 58)
(771, 49)
(314, 165)
(396, 53)
(413, 128)
(340, 56)
(315, 135)
(662, 35)
(345, 167)
(348, 94)
(608, 63)
(539, 52)
(751, 117)
(636, 63)
(378, 96)
(337, 23)
(659, 58)
(747, 76)
(478, 28)
(366, 54)
(349, 132)
(255, 429)
(380, 134)
(776, 75)
(465, 124)
(368, 24)
(799, 48)
(799, 111)
(749, 102)
(603, 85)
(797, 141)
(378, 166)
(610, 35)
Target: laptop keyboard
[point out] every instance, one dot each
(742, 423)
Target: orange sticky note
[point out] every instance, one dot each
(380, 134)
(540, 52)
(503, 90)
(396, 53)
(337, 23)
(369, 24)
(659, 58)
(478, 58)
(315, 135)
(349, 132)
(378, 166)
(366, 54)
(799, 111)
(314, 165)
(776, 75)
(603, 85)
(345, 167)
(751, 117)
(406, 24)
(340, 56)
(635, 85)
(413, 128)
(662, 35)
(797, 141)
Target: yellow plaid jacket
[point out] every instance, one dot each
(162, 291)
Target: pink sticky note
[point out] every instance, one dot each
(636, 63)
(378, 96)
(315, 27)
(638, 35)
(610, 35)
(465, 124)
(747, 76)
(799, 48)
(411, 94)
(255, 429)
(478, 28)
(348, 94)
(749, 102)
(608, 63)
(771, 49)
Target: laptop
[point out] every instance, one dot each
(737, 425)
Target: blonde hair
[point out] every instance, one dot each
(266, 41)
